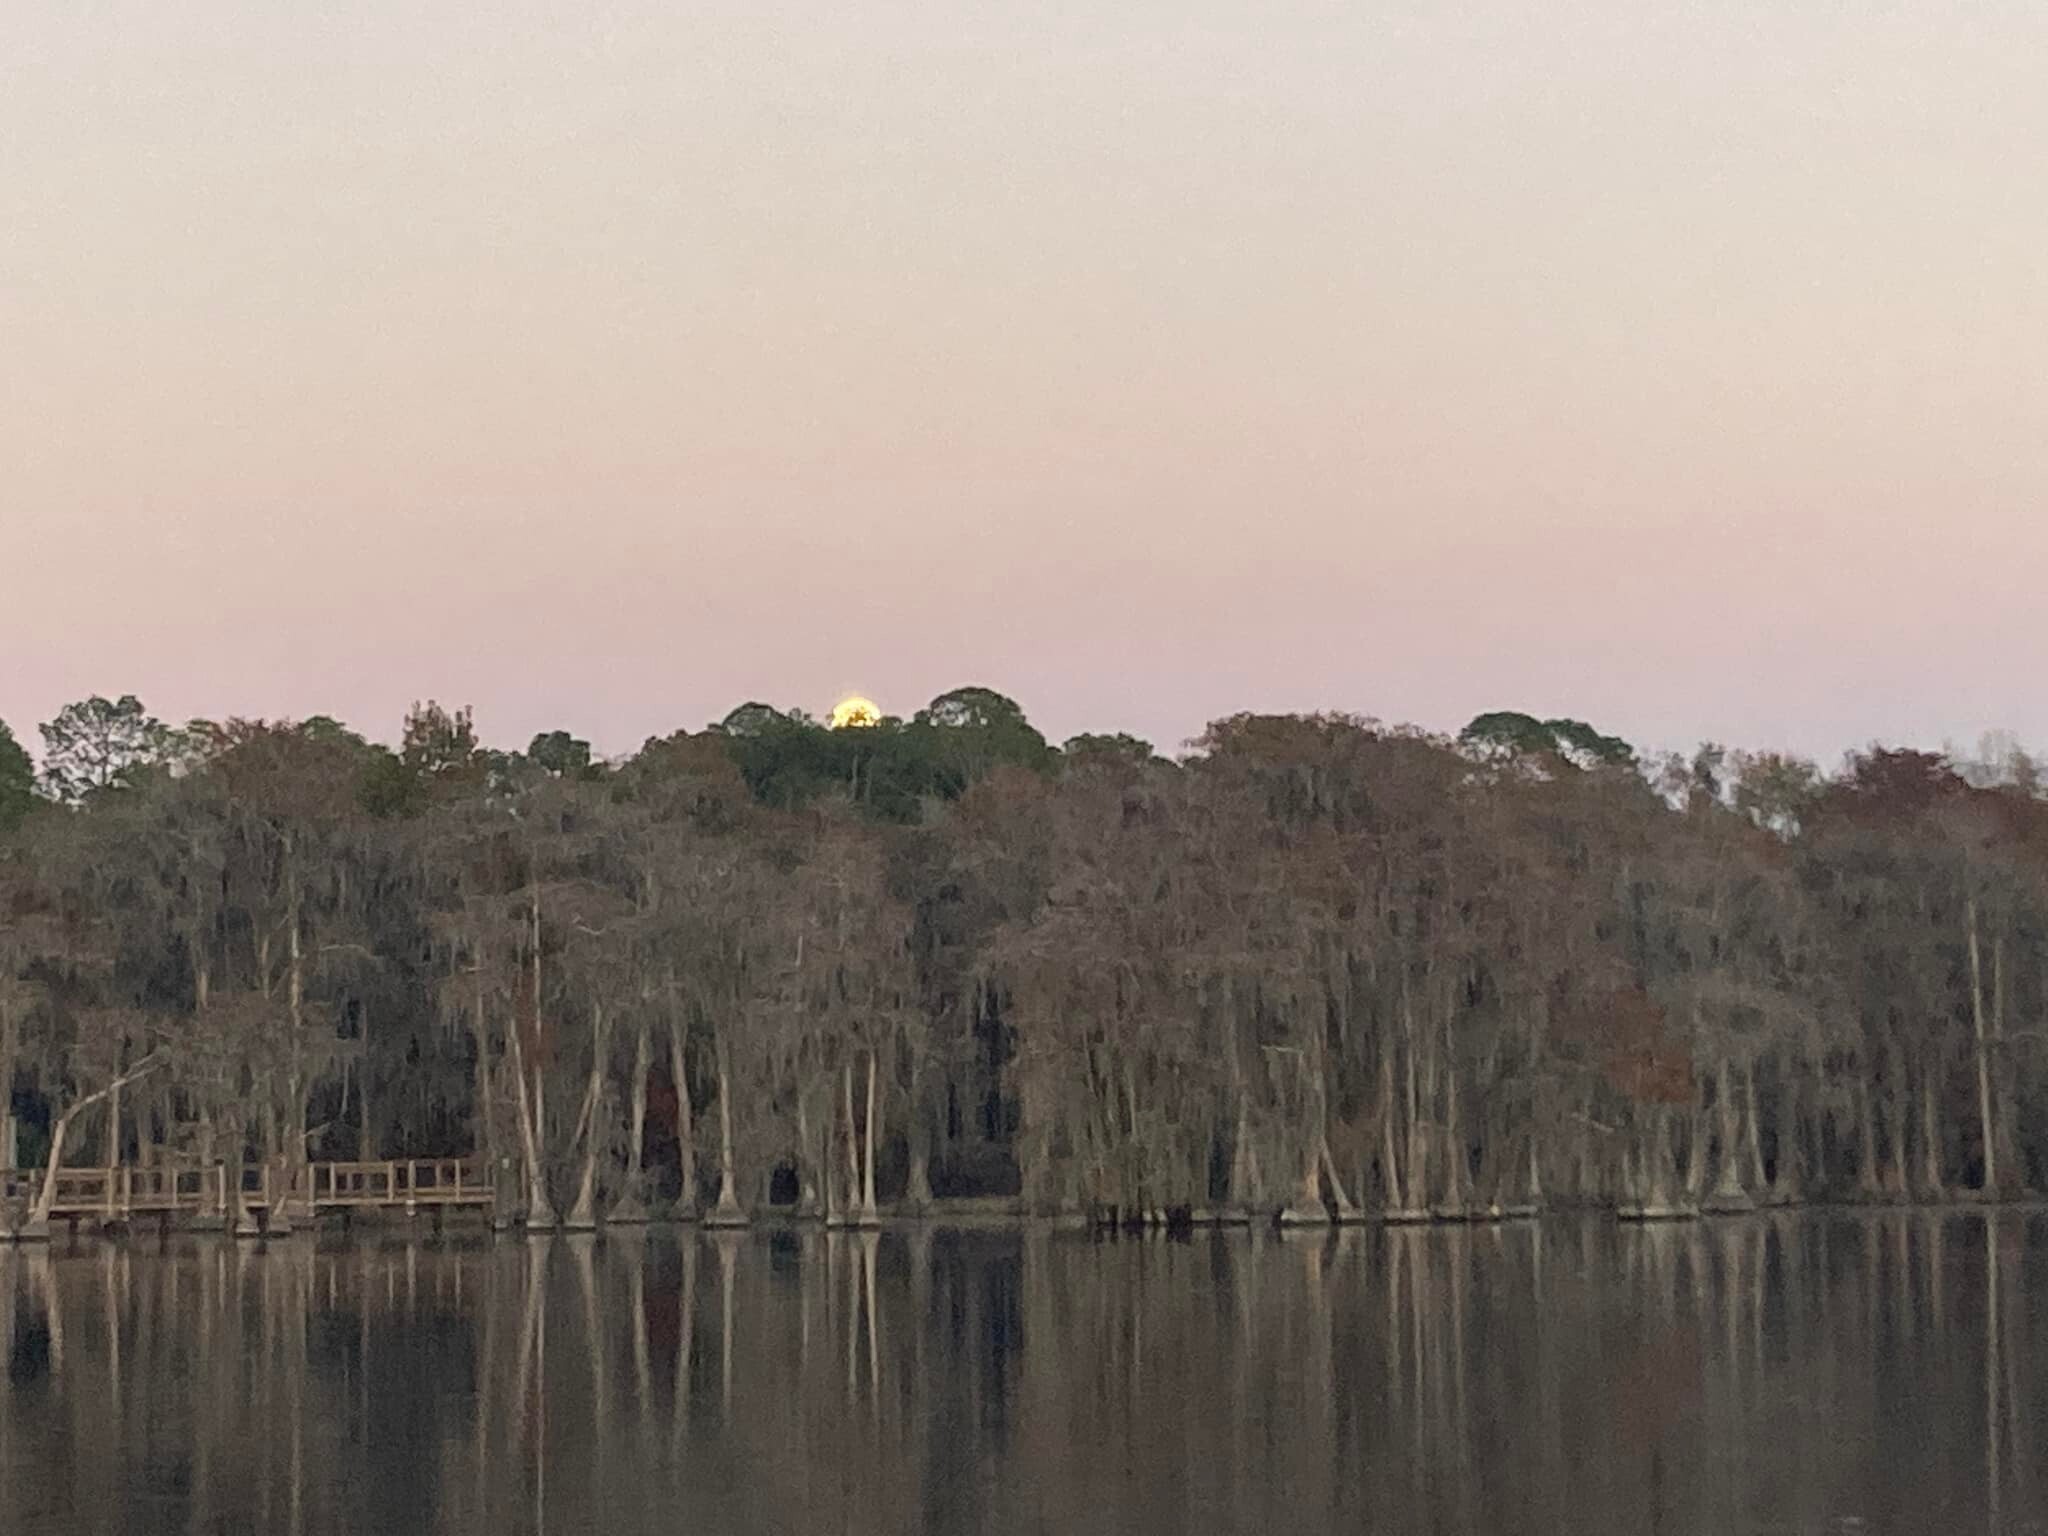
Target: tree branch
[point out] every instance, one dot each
(48, 1195)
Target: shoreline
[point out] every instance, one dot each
(997, 1214)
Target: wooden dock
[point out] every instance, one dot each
(221, 1195)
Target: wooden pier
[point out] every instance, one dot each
(269, 1194)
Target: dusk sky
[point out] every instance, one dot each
(1680, 366)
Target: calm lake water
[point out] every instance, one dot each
(1863, 1373)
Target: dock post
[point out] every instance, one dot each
(210, 1200)
(277, 1215)
(246, 1224)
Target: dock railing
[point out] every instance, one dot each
(170, 1188)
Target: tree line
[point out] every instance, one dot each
(1316, 968)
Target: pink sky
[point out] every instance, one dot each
(1682, 367)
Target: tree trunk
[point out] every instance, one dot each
(686, 1122)
(1728, 1188)
(582, 1215)
(38, 1223)
(1789, 1174)
(1986, 1128)
(1726, 1132)
(1898, 1113)
(2011, 1166)
(540, 1216)
(8, 1150)
(1138, 1171)
(1244, 1157)
(729, 1213)
(1698, 1136)
(917, 1192)
(1866, 1124)
(1396, 1189)
(824, 1149)
(1347, 1208)
(811, 1157)
(1752, 1137)
(483, 1135)
(483, 1129)
(1307, 1208)
(277, 1217)
(1930, 1138)
(1457, 1156)
(842, 1207)
(295, 1002)
(366, 1148)
(874, 1125)
(1418, 1155)
(1659, 1154)
(632, 1206)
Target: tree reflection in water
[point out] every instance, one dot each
(1774, 1371)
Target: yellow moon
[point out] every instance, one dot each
(856, 711)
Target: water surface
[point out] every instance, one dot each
(1862, 1373)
